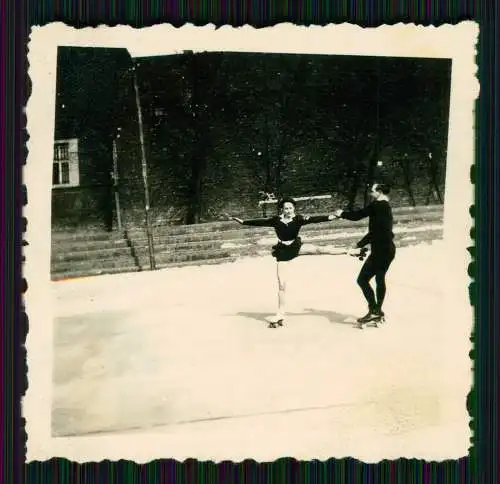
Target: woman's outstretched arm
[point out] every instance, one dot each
(314, 219)
(260, 222)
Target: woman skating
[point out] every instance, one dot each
(287, 226)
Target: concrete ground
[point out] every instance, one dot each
(186, 352)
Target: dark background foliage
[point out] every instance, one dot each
(222, 128)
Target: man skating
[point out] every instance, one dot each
(380, 237)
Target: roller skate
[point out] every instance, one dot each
(373, 317)
(381, 319)
(278, 321)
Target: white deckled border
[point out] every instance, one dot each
(456, 42)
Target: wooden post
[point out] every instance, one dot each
(115, 186)
(144, 173)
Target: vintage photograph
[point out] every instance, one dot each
(249, 255)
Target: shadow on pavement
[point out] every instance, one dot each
(332, 316)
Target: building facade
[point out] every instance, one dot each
(89, 105)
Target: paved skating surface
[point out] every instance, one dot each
(188, 350)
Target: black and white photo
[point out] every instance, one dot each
(249, 243)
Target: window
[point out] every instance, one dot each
(65, 164)
(61, 152)
(60, 173)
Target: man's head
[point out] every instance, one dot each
(287, 206)
(379, 190)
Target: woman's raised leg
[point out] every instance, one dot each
(311, 249)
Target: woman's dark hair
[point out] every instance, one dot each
(286, 200)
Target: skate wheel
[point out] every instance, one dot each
(271, 325)
(280, 322)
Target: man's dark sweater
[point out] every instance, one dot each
(380, 235)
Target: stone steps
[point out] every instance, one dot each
(85, 236)
(86, 253)
(93, 253)
(222, 226)
(93, 264)
(194, 257)
(238, 231)
(75, 250)
(330, 237)
(404, 241)
(59, 237)
(68, 246)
